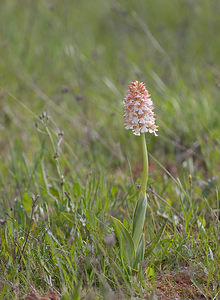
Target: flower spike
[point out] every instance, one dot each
(139, 115)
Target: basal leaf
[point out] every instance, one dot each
(140, 251)
(126, 242)
(138, 222)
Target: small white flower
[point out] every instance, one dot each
(140, 111)
(144, 129)
(135, 120)
(136, 131)
(142, 121)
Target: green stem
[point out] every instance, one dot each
(145, 162)
(141, 206)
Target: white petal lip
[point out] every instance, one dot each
(135, 120)
(144, 129)
(140, 111)
(136, 132)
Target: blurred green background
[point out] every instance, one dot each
(74, 60)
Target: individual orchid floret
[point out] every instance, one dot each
(139, 115)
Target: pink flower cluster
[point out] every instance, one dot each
(139, 115)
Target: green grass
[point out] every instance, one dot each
(70, 62)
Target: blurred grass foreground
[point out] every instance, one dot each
(67, 163)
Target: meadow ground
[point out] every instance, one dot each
(67, 163)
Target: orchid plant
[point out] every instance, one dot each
(140, 118)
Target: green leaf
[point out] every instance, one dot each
(4, 290)
(138, 221)
(126, 242)
(140, 251)
(150, 272)
(27, 202)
